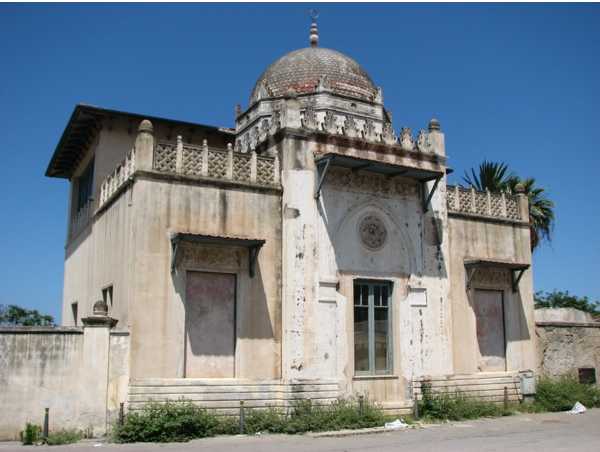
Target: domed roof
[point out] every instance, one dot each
(301, 70)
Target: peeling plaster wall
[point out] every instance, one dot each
(164, 207)
(475, 238)
(70, 371)
(322, 256)
(563, 348)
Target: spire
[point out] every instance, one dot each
(314, 32)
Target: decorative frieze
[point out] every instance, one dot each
(349, 180)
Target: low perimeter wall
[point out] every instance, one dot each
(567, 347)
(80, 374)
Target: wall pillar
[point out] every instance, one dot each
(144, 146)
(93, 391)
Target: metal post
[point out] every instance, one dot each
(505, 398)
(241, 417)
(416, 407)
(121, 414)
(361, 401)
(46, 422)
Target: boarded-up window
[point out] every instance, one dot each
(489, 314)
(210, 325)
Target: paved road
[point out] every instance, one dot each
(549, 432)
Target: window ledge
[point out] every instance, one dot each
(375, 377)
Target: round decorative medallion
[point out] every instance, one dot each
(372, 231)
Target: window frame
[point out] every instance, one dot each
(85, 186)
(372, 283)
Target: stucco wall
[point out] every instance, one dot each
(164, 207)
(63, 369)
(101, 256)
(323, 255)
(481, 239)
(564, 347)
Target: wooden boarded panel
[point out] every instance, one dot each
(489, 312)
(210, 325)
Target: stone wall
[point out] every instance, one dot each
(51, 368)
(566, 346)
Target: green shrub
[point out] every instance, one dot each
(305, 416)
(164, 422)
(63, 437)
(31, 435)
(182, 421)
(456, 406)
(560, 394)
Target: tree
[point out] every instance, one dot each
(13, 315)
(496, 177)
(560, 299)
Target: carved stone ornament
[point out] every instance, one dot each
(264, 130)
(388, 135)
(329, 124)
(309, 121)
(372, 231)
(211, 256)
(323, 85)
(275, 122)
(423, 141)
(369, 131)
(492, 277)
(370, 183)
(350, 129)
(406, 139)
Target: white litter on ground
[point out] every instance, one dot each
(578, 408)
(395, 425)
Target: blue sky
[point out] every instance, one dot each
(515, 83)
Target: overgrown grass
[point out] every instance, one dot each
(456, 406)
(560, 394)
(183, 421)
(63, 437)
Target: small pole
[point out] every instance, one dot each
(505, 398)
(416, 407)
(46, 423)
(241, 417)
(121, 414)
(361, 401)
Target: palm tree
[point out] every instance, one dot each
(496, 177)
(493, 176)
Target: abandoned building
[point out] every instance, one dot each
(308, 252)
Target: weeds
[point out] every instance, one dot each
(560, 394)
(183, 421)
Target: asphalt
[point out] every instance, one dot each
(548, 432)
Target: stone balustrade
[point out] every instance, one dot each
(117, 178)
(208, 162)
(483, 203)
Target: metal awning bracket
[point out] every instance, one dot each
(516, 276)
(252, 256)
(322, 167)
(470, 275)
(427, 195)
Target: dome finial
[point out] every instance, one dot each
(314, 31)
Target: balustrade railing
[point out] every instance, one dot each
(226, 164)
(483, 203)
(117, 178)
